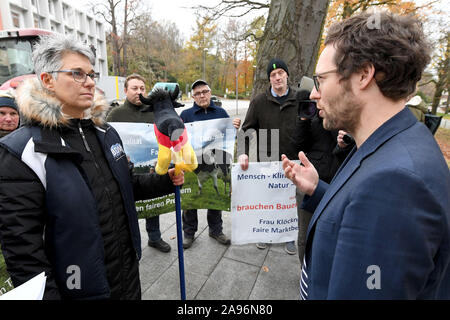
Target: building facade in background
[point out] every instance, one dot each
(57, 16)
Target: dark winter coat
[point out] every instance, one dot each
(266, 112)
(67, 202)
(129, 112)
(319, 146)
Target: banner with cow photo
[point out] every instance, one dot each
(263, 204)
(208, 187)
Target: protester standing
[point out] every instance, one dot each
(66, 193)
(204, 109)
(272, 115)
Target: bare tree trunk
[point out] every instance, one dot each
(437, 95)
(448, 101)
(114, 37)
(125, 40)
(292, 33)
(443, 82)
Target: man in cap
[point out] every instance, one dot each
(204, 109)
(9, 115)
(275, 111)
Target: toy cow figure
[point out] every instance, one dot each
(170, 132)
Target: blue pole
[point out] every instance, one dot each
(180, 242)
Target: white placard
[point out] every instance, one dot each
(263, 205)
(33, 289)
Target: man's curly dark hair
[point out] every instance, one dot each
(395, 45)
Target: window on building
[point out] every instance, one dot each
(51, 7)
(55, 27)
(91, 23)
(80, 19)
(66, 12)
(15, 16)
(99, 47)
(36, 21)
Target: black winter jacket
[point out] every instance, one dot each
(320, 146)
(267, 117)
(67, 202)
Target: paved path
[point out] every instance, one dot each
(214, 271)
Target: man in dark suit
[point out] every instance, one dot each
(381, 228)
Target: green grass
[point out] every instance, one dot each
(190, 199)
(4, 276)
(444, 116)
(209, 199)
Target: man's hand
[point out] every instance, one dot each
(305, 176)
(177, 180)
(237, 123)
(340, 139)
(243, 161)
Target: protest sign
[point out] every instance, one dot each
(33, 289)
(5, 280)
(206, 188)
(263, 205)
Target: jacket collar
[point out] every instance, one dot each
(398, 123)
(135, 107)
(291, 97)
(49, 141)
(211, 106)
(276, 95)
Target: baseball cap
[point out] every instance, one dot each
(199, 82)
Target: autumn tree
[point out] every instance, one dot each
(118, 14)
(155, 49)
(342, 9)
(198, 51)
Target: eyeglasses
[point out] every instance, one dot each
(198, 94)
(80, 76)
(317, 76)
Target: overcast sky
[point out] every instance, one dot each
(179, 11)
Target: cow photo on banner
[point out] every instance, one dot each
(208, 186)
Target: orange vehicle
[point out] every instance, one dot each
(16, 47)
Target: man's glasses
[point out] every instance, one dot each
(80, 76)
(198, 94)
(317, 76)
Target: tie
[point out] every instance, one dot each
(303, 279)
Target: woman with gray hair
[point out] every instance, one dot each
(66, 192)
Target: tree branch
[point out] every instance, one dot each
(225, 7)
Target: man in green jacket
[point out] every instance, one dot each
(132, 111)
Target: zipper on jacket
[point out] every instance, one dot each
(97, 167)
(122, 281)
(83, 137)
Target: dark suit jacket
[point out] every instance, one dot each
(384, 221)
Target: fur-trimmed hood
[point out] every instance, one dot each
(36, 104)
